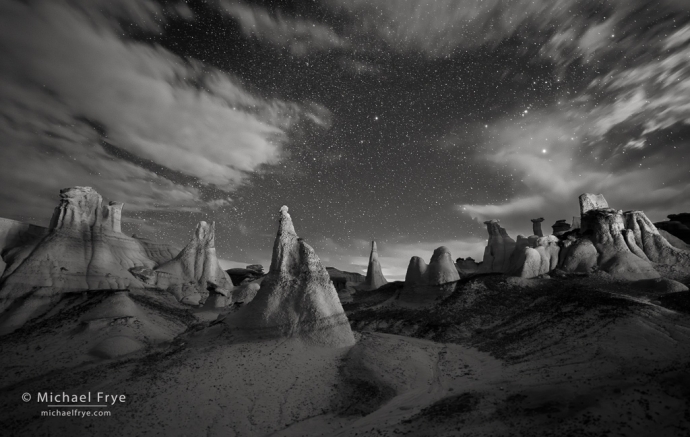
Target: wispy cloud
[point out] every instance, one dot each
(298, 35)
(65, 62)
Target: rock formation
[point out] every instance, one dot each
(296, 298)
(498, 250)
(426, 284)
(678, 225)
(536, 227)
(85, 250)
(239, 276)
(441, 269)
(560, 226)
(576, 222)
(467, 266)
(534, 256)
(624, 245)
(590, 201)
(189, 275)
(374, 278)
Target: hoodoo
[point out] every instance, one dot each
(296, 299)
(536, 227)
(195, 269)
(374, 278)
(498, 250)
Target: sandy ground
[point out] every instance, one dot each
(540, 363)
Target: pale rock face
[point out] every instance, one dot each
(536, 227)
(83, 250)
(589, 201)
(374, 278)
(534, 256)
(189, 275)
(498, 250)
(296, 298)
(441, 269)
(466, 266)
(652, 243)
(617, 252)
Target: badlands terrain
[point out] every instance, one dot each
(581, 332)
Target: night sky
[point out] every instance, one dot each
(405, 121)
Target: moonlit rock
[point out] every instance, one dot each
(498, 249)
(196, 265)
(589, 201)
(82, 250)
(441, 269)
(534, 256)
(374, 278)
(536, 226)
(296, 298)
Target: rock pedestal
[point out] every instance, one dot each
(296, 298)
(536, 227)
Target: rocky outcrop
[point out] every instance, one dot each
(560, 226)
(498, 249)
(296, 298)
(534, 256)
(466, 266)
(195, 269)
(427, 284)
(239, 276)
(625, 245)
(649, 241)
(374, 278)
(536, 227)
(441, 269)
(678, 225)
(589, 201)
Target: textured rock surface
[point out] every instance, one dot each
(374, 278)
(560, 226)
(441, 269)
(534, 256)
(196, 267)
(589, 201)
(466, 266)
(536, 227)
(661, 285)
(654, 245)
(498, 249)
(416, 271)
(296, 298)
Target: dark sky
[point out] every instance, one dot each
(405, 121)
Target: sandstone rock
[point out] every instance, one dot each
(296, 298)
(416, 271)
(441, 269)
(374, 278)
(590, 201)
(467, 266)
(536, 226)
(83, 250)
(239, 276)
(578, 256)
(560, 226)
(673, 240)
(653, 244)
(196, 265)
(576, 223)
(534, 256)
(498, 249)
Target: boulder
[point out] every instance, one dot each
(536, 226)
(374, 278)
(296, 299)
(590, 201)
(498, 249)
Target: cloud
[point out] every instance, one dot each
(299, 36)
(65, 63)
